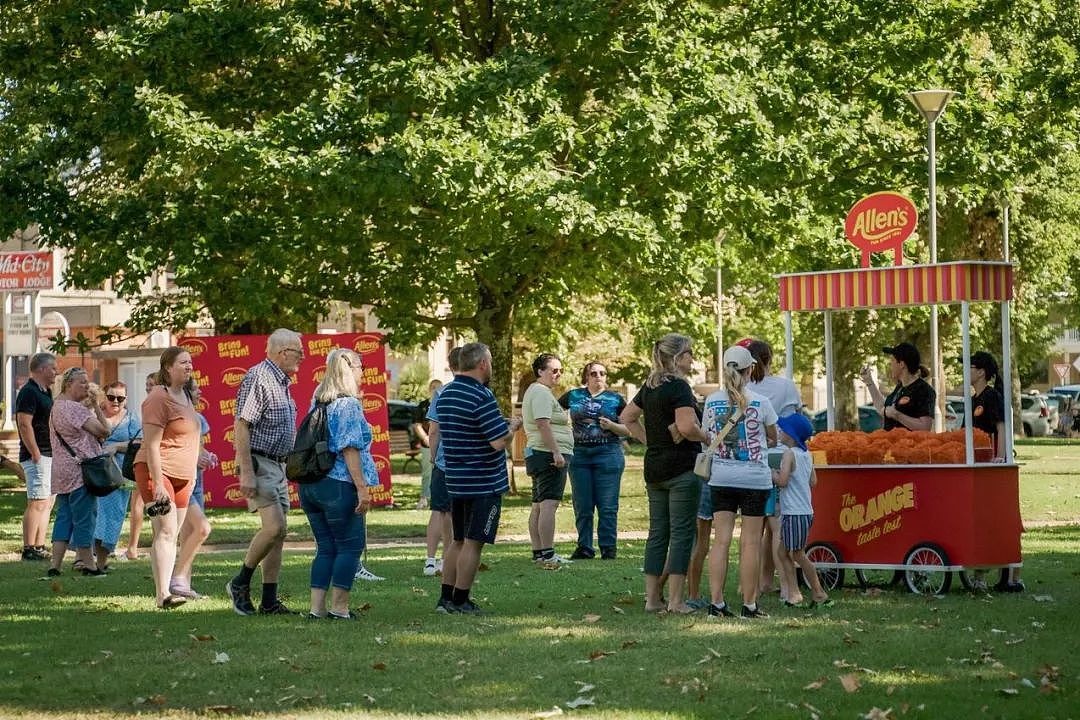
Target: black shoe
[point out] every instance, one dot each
(93, 572)
(241, 598)
(279, 608)
(332, 616)
(445, 606)
(1011, 587)
(583, 553)
(607, 553)
(755, 613)
(720, 610)
(32, 553)
(468, 608)
(53, 572)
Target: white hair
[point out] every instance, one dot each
(281, 339)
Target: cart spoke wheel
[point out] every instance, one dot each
(831, 578)
(933, 580)
(877, 578)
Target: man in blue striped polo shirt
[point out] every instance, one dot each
(474, 436)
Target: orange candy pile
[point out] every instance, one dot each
(900, 447)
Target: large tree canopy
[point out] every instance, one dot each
(472, 164)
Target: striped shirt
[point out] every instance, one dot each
(469, 420)
(265, 403)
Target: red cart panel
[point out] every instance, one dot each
(875, 514)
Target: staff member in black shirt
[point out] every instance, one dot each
(910, 405)
(987, 404)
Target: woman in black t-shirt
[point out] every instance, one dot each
(672, 433)
(987, 404)
(910, 405)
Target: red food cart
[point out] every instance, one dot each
(919, 523)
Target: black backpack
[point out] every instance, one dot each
(311, 459)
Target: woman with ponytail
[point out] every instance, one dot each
(740, 479)
(911, 403)
(672, 434)
(987, 403)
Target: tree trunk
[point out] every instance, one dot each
(847, 361)
(495, 328)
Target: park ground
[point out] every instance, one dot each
(569, 642)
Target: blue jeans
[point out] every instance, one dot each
(76, 516)
(595, 478)
(330, 506)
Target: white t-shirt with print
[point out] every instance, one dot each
(741, 462)
(781, 392)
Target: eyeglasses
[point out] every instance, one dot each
(688, 351)
(299, 353)
(116, 398)
(555, 371)
(598, 373)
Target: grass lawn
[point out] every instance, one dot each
(95, 647)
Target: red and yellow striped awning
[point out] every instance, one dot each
(864, 288)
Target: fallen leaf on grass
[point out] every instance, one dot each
(365, 607)
(600, 654)
(1008, 691)
(618, 609)
(458, 677)
(202, 638)
(581, 702)
(220, 709)
(817, 684)
(370, 699)
(220, 658)
(585, 687)
(627, 644)
(850, 682)
(877, 713)
(625, 600)
(483, 567)
(56, 587)
(106, 653)
(591, 618)
(378, 666)
(1027, 683)
(1043, 598)
(553, 712)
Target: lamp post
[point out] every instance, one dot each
(930, 104)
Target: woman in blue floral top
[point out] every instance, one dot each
(335, 506)
(597, 465)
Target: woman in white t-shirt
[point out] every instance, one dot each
(785, 399)
(740, 479)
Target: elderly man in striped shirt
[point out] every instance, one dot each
(265, 431)
(474, 436)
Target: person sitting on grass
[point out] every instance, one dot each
(795, 478)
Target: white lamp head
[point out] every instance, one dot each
(931, 103)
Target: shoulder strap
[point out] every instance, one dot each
(732, 419)
(63, 441)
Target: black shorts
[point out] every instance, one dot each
(476, 517)
(751, 503)
(548, 481)
(440, 498)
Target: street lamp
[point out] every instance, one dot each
(930, 104)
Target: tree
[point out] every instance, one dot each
(496, 159)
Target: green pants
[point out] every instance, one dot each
(672, 523)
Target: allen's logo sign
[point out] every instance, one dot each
(372, 403)
(194, 346)
(366, 343)
(233, 376)
(880, 222)
(318, 374)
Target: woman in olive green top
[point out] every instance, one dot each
(549, 447)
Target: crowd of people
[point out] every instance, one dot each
(756, 465)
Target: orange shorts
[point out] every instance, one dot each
(179, 490)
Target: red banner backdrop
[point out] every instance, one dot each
(220, 364)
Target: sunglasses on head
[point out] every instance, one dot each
(116, 398)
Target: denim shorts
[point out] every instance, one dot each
(704, 510)
(38, 478)
(440, 498)
(772, 508)
(76, 517)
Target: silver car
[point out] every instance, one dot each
(1035, 415)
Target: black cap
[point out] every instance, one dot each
(907, 354)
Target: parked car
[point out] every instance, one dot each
(1053, 404)
(1035, 415)
(954, 412)
(869, 420)
(1072, 391)
(402, 414)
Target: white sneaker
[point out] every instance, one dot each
(430, 568)
(364, 574)
(554, 562)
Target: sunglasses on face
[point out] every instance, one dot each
(598, 373)
(556, 371)
(116, 398)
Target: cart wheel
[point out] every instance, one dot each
(930, 581)
(877, 578)
(831, 578)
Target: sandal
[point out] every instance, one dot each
(826, 603)
(171, 601)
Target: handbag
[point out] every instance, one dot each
(99, 473)
(703, 461)
(128, 470)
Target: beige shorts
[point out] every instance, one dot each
(270, 485)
